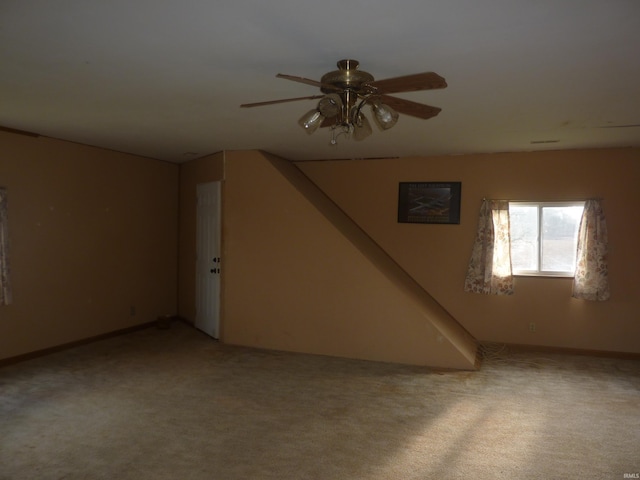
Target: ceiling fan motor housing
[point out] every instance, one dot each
(347, 77)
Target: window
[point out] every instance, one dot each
(544, 237)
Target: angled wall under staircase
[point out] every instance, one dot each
(299, 275)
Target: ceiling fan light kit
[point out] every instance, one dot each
(346, 92)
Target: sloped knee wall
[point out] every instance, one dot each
(299, 275)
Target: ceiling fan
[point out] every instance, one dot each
(347, 90)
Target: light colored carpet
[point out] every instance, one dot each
(173, 404)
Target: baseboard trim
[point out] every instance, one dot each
(65, 346)
(516, 347)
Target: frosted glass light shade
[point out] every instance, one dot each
(330, 105)
(385, 116)
(311, 120)
(362, 128)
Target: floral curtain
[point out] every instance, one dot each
(591, 280)
(5, 288)
(489, 269)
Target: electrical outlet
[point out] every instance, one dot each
(532, 327)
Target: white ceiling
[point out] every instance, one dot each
(165, 78)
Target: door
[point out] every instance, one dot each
(208, 265)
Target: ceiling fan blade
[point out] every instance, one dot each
(410, 83)
(407, 107)
(271, 102)
(308, 81)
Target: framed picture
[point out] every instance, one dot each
(429, 202)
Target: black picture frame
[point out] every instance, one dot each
(429, 202)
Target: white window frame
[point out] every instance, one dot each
(544, 273)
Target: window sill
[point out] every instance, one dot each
(544, 274)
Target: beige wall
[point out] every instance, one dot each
(437, 255)
(93, 233)
(202, 170)
(299, 276)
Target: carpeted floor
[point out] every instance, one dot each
(173, 404)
